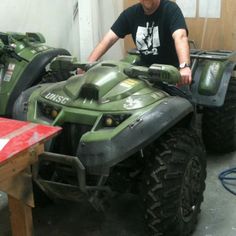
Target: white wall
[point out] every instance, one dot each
(56, 20)
(52, 18)
(95, 19)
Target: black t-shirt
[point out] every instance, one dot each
(152, 34)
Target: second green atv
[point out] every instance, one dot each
(122, 132)
(23, 64)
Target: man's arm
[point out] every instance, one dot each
(108, 40)
(182, 48)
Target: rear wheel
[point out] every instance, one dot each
(219, 124)
(174, 182)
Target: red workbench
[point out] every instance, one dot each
(20, 145)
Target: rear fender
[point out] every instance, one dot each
(210, 82)
(99, 155)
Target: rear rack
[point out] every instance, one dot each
(220, 55)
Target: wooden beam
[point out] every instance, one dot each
(15, 165)
(21, 217)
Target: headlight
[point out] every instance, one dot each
(48, 111)
(113, 120)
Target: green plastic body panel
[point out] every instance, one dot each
(211, 73)
(132, 58)
(147, 113)
(211, 78)
(110, 112)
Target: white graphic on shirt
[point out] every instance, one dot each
(147, 39)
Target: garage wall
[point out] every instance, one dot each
(211, 23)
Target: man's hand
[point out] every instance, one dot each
(79, 71)
(186, 76)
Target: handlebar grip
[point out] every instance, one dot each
(5, 38)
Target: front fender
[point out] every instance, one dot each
(99, 155)
(32, 75)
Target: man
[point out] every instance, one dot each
(159, 31)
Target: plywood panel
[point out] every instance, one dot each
(215, 33)
(208, 33)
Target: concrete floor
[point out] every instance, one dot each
(122, 217)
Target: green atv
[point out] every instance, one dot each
(126, 128)
(23, 62)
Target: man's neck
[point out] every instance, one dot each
(151, 10)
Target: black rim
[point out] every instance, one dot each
(191, 189)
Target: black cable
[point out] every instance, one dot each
(223, 177)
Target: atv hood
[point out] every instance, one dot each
(104, 87)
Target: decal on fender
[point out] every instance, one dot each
(9, 72)
(57, 98)
(131, 103)
(128, 83)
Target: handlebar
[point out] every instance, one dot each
(155, 73)
(4, 38)
(69, 63)
(6, 47)
(11, 51)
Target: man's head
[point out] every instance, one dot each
(149, 6)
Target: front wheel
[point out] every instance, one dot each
(174, 182)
